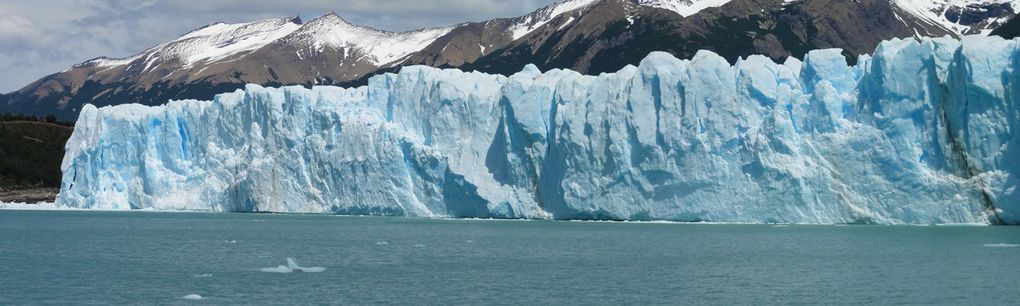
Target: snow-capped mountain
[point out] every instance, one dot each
(961, 16)
(222, 40)
(683, 7)
(529, 23)
(361, 43)
(589, 36)
(209, 44)
(957, 16)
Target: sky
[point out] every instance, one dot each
(40, 37)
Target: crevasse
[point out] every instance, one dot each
(922, 132)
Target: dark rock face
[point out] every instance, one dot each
(601, 41)
(975, 14)
(1009, 30)
(602, 37)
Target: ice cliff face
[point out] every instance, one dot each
(920, 132)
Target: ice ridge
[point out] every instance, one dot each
(920, 132)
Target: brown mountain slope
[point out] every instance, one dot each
(595, 37)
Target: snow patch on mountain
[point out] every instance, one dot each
(528, 23)
(381, 47)
(222, 40)
(683, 7)
(960, 16)
(211, 43)
(108, 62)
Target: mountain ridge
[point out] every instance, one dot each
(589, 36)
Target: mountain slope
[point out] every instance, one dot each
(1008, 30)
(960, 16)
(616, 33)
(589, 36)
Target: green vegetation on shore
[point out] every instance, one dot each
(31, 150)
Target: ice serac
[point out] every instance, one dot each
(922, 131)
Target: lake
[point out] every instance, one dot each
(82, 257)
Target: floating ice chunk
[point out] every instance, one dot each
(311, 269)
(192, 297)
(277, 269)
(1001, 245)
(31, 206)
(292, 266)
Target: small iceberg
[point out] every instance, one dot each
(192, 297)
(292, 266)
(1000, 245)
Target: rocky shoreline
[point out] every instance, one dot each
(28, 195)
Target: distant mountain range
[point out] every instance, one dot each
(589, 36)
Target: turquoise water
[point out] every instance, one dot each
(69, 257)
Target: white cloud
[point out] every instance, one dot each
(36, 40)
(17, 31)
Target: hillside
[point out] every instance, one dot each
(30, 153)
(588, 36)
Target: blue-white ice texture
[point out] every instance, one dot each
(920, 132)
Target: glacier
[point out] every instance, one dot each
(920, 132)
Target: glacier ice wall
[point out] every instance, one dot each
(922, 131)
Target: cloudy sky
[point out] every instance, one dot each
(39, 37)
